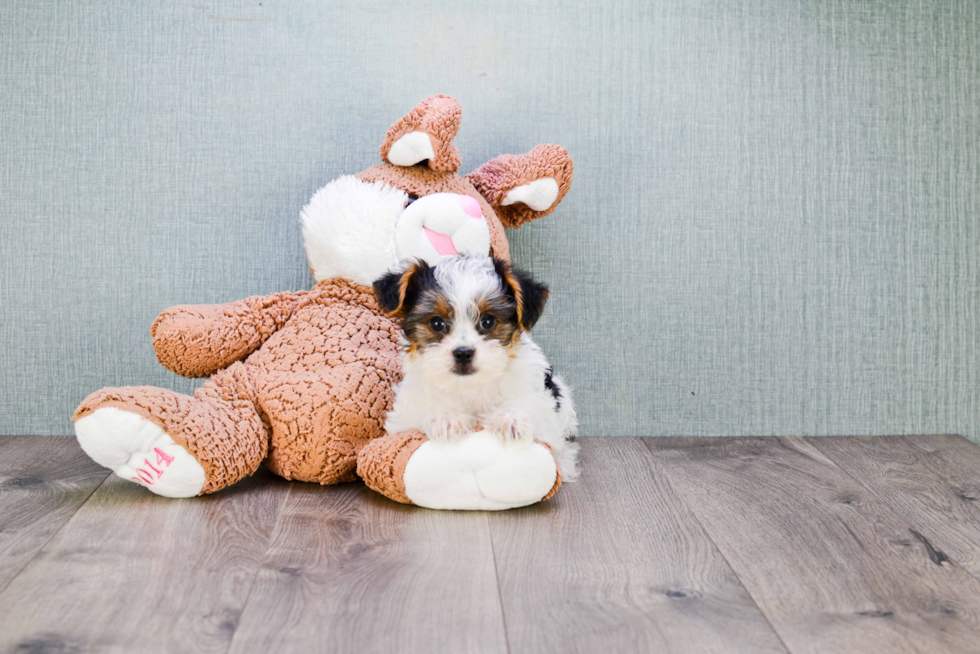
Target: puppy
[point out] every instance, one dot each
(469, 360)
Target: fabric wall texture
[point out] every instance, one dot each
(774, 226)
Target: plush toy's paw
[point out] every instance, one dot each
(478, 472)
(449, 427)
(138, 450)
(511, 426)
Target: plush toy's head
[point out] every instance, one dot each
(416, 205)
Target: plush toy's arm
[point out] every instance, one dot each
(198, 340)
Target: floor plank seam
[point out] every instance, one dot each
(258, 568)
(496, 575)
(55, 533)
(711, 539)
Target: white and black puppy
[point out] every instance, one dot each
(469, 360)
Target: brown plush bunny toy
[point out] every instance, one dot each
(302, 381)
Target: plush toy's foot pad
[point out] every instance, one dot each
(138, 450)
(478, 472)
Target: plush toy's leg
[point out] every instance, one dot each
(176, 445)
(479, 472)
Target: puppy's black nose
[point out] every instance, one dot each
(464, 354)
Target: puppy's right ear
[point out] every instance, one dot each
(529, 294)
(398, 291)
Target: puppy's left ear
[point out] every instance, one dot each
(530, 295)
(397, 291)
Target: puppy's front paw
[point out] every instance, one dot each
(511, 426)
(450, 427)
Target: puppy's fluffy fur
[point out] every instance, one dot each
(469, 360)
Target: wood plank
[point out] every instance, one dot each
(831, 566)
(43, 481)
(136, 572)
(617, 563)
(350, 571)
(932, 482)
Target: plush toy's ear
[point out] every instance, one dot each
(425, 133)
(398, 291)
(523, 187)
(530, 295)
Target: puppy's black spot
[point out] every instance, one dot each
(552, 387)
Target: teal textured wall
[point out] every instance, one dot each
(774, 226)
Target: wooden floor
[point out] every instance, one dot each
(664, 545)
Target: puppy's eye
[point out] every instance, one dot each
(437, 324)
(487, 322)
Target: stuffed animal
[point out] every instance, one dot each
(302, 381)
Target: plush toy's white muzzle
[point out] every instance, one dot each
(441, 225)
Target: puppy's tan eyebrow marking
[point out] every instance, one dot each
(504, 309)
(442, 307)
(417, 327)
(498, 304)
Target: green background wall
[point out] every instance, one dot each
(774, 226)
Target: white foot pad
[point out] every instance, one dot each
(479, 472)
(136, 449)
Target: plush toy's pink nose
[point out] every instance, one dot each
(470, 206)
